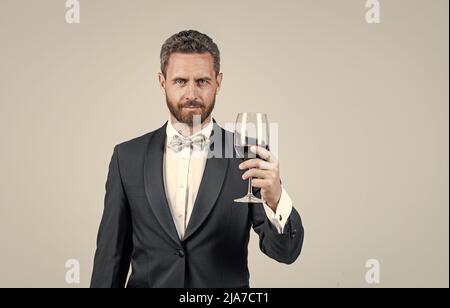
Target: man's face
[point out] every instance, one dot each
(190, 86)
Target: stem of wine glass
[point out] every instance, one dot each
(250, 192)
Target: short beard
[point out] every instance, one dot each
(191, 118)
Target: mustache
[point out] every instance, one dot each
(192, 104)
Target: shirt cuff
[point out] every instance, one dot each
(284, 209)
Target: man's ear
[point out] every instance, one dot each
(219, 81)
(162, 82)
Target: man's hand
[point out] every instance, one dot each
(266, 175)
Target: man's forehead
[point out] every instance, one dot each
(194, 63)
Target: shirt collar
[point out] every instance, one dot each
(171, 131)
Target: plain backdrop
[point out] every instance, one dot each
(362, 111)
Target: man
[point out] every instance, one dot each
(169, 206)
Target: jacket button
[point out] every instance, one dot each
(293, 233)
(181, 253)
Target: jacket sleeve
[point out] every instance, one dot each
(283, 247)
(114, 240)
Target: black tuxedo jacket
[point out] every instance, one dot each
(137, 225)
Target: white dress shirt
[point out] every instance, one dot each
(183, 172)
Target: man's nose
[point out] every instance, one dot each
(191, 92)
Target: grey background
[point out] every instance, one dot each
(362, 109)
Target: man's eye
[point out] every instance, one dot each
(180, 82)
(202, 82)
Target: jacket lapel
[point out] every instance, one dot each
(210, 186)
(154, 183)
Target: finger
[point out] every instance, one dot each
(260, 183)
(257, 163)
(263, 153)
(257, 173)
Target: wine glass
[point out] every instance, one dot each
(251, 129)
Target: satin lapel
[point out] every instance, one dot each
(154, 183)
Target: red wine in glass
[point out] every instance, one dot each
(251, 129)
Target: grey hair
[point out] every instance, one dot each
(189, 41)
